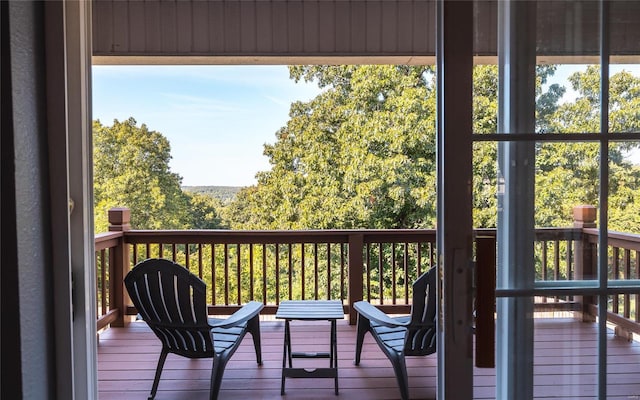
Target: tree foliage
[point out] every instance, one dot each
(362, 153)
(131, 169)
(567, 174)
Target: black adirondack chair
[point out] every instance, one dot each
(171, 300)
(412, 335)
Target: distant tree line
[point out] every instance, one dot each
(223, 193)
(361, 154)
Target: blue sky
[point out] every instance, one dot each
(217, 118)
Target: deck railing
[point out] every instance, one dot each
(349, 265)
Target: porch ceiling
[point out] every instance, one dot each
(337, 31)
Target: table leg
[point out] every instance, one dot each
(290, 354)
(334, 352)
(286, 354)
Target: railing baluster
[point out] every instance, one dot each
(200, 275)
(342, 267)
(328, 271)
(238, 273)
(544, 264)
(432, 255)
(406, 273)
(368, 262)
(419, 258)
(380, 274)
(148, 249)
(134, 254)
(394, 281)
(290, 270)
(315, 270)
(569, 258)
(186, 257)
(103, 276)
(637, 303)
(226, 274)
(627, 275)
(277, 273)
(264, 274)
(173, 252)
(616, 275)
(302, 273)
(251, 294)
(213, 274)
(556, 265)
(98, 283)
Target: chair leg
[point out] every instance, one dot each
(400, 368)
(216, 375)
(156, 380)
(363, 327)
(253, 327)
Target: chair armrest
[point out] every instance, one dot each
(248, 311)
(372, 313)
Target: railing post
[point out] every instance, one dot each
(585, 217)
(485, 280)
(356, 270)
(119, 221)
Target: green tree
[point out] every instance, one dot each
(131, 169)
(204, 211)
(359, 155)
(567, 174)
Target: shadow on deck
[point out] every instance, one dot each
(565, 366)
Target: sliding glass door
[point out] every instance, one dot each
(554, 163)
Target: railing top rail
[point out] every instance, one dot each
(546, 233)
(106, 236)
(279, 236)
(106, 240)
(625, 240)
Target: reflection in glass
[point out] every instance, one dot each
(568, 98)
(566, 176)
(624, 187)
(624, 98)
(623, 347)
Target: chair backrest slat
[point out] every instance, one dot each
(420, 337)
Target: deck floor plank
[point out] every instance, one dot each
(565, 366)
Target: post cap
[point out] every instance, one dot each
(584, 216)
(119, 219)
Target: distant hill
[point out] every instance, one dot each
(224, 193)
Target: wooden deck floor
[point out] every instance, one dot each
(565, 366)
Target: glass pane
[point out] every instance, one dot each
(566, 201)
(567, 175)
(624, 77)
(567, 98)
(485, 184)
(564, 367)
(562, 360)
(624, 212)
(485, 98)
(624, 98)
(623, 347)
(567, 88)
(567, 71)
